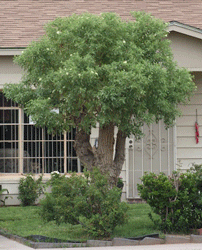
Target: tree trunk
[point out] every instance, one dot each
(104, 153)
(84, 149)
(105, 157)
(119, 156)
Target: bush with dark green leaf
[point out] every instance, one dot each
(120, 183)
(176, 199)
(87, 200)
(29, 189)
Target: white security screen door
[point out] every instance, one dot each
(155, 152)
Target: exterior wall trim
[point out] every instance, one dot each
(185, 29)
(11, 52)
(195, 69)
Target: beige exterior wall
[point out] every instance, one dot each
(187, 51)
(9, 72)
(11, 182)
(188, 152)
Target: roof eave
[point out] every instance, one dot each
(11, 51)
(185, 29)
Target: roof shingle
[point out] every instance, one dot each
(22, 21)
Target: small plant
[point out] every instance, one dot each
(6, 197)
(29, 190)
(87, 200)
(120, 183)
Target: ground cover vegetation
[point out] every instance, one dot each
(25, 221)
(99, 69)
(177, 199)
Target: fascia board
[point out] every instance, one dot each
(10, 52)
(185, 29)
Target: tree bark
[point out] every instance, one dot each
(119, 157)
(109, 162)
(84, 149)
(104, 153)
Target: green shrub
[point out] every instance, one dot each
(86, 200)
(120, 183)
(29, 190)
(177, 199)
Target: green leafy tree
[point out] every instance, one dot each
(101, 69)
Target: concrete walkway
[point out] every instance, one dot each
(7, 244)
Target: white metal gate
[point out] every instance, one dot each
(155, 152)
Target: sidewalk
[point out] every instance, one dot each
(7, 244)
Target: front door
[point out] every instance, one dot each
(155, 152)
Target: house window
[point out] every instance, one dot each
(25, 148)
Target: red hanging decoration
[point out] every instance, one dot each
(196, 130)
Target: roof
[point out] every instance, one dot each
(22, 21)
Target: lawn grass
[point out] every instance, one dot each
(138, 224)
(25, 221)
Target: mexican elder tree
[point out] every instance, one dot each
(99, 69)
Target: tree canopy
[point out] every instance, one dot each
(101, 69)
